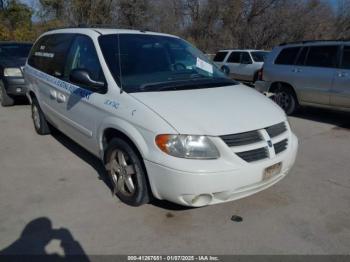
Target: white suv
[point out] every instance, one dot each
(242, 65)
(163, 119)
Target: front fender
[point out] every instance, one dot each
(127, 129)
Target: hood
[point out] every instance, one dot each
(214, 111)
(13, 62)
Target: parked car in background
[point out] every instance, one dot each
(309, 73)
(145, 104)
(241, 65)
(13, 56)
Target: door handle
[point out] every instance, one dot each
(53, 94)
(296, 70)
(61, 98)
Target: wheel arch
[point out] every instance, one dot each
(125, 131)
(279, 84)
(31, 96)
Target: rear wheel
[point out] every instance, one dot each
(40, 124)
(225, 69)
(286, 99)
(5, 99)
(126, 173)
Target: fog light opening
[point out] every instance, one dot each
(201, 200)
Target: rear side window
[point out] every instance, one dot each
(245, 58)
(220, 56)
(235, 57)
(346, 58)
(322, 56)
(49, 54)
(287, 56)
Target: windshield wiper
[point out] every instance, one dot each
(193, 83)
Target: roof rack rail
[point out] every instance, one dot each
(106, 26)
(313, 41)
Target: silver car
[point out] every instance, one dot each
(309, 73)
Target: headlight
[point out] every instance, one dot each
(187, 146)
(13, 72)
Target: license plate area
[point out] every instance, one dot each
(272, 171)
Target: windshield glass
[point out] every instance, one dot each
(259, 56)
(141, 63)
(14, 50)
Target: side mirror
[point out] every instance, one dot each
(82, 76)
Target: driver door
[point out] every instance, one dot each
(82, 107)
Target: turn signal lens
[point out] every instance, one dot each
(187, 146)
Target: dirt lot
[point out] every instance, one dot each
(52, 190)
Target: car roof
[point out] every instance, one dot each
(242, 50)
(103, 31)
(314, 42)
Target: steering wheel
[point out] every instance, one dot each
(179, 66)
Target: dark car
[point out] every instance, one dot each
(13, 56)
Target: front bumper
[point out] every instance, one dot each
(15, 86)
(207, 188)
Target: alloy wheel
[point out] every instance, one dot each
(122, 173)
(36, 116)
(284, 100)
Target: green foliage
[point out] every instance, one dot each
(16, 23)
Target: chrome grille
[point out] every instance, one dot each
(242, 138)
(276, 130)
(281, 146)
(254, 155)
(254, 137)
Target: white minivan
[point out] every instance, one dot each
(164, 120)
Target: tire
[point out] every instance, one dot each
(126, 172)
(5, 99)
(286, 99)
(40, 124)
(225, 69)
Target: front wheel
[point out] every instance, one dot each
(126, 173)
(286, 99)
(40, 124)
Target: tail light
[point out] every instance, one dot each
(260, 74)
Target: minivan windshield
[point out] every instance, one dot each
(14, 50)
(259, 56)
(144, 62)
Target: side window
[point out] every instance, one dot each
(322, 56)
(35, 60)
(49, 54)
(82, 55)
(235, 57)
(287, 56)
(245, 58)
(302, 55)
(346, 58)
(220, 56)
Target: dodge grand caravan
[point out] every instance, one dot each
(165, 121)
